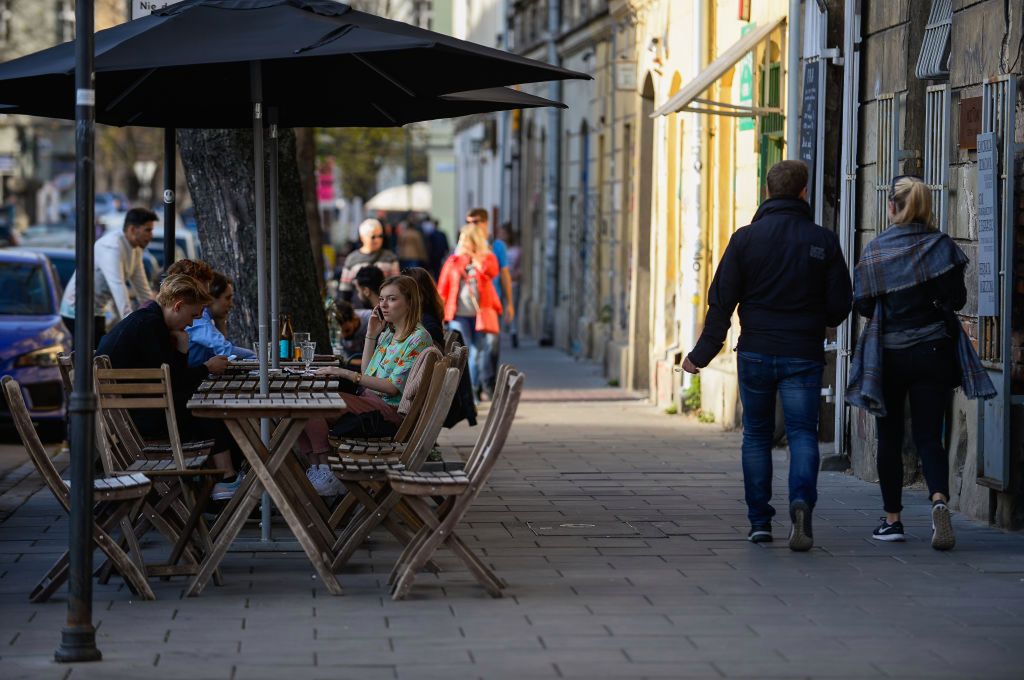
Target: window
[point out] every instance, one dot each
(24, 290)
(772, 126)
(887, 155)
(936, 152)
(65, 20)
(932, 62)
(5, 22)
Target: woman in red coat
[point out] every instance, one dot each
(471, 304)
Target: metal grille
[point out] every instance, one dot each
(936, 152)
(932, 62)
(887, 155)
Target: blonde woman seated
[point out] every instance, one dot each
(394, 338)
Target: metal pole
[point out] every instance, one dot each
(551, 197)
(78, 637)
(794, 45)
(170, 208)
(275, 284)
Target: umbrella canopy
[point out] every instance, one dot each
(416, 197)
(321, 62)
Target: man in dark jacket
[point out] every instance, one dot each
(790, 280)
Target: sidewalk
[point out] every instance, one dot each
(620, 531)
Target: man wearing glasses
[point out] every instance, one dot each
(371, 253)
(479, 218)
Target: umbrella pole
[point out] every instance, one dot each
(170, 210)
(275, 324)
(78, 637)
(256, 87)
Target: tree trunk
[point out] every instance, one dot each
(305, 153)
(219, 170)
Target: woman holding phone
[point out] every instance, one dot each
(394, 338)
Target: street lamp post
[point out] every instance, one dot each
(78, 638)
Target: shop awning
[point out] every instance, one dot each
(683, 100)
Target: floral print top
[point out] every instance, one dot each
(392, 360)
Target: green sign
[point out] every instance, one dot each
(747, 82)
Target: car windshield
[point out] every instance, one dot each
(24, 289)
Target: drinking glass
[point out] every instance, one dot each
(299, 338)
(308, 351)
(269, 351)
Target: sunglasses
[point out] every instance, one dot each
(475, 220)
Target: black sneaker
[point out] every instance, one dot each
(760, 533)
(801, 537)
(942, 527)
(889, 532)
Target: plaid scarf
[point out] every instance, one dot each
(901, 257)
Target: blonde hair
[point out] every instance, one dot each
(471, 239)
(183, 288)
(410, 290)
(911, 202)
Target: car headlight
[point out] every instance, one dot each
(44, 357)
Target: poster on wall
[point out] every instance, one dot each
(809, 124)
(988, 224)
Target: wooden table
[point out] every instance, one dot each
(242, 366)
(233, 386)
(272, 468)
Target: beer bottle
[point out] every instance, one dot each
(287, 334)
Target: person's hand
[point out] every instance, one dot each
(217, 365)
(180, 340)
(375, 324)
(510, 313)
(328, 372)
(689, 366)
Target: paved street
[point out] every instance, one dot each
(620, 531)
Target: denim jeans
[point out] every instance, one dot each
(798, 382)
(477, 344)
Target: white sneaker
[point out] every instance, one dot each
(325, 483)
(312, 471)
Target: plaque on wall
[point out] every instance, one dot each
(988, 224)
(970, 122)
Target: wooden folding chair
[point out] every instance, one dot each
(117, 500)
(174, 508)
(460, 489)
(149, 448)
(360, 473)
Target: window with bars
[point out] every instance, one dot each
(772, 126)
(887, 155)
(936, 152)
(65, 20)
(5, 21)
(932, 64)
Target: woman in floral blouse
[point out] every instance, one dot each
(394, 338)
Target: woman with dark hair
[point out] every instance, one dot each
(394, 338)
(206, 335)
(433, 305)
(909, 283)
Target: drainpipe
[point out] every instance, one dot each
(793, 46)
(613, 242)
(504, 197)
(551, 188)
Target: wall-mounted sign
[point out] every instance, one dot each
(142, 8)
(988, 224)
(625, 75)
(746, 97)
(970, 122)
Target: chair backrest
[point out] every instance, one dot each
(121, 390)
(444, 383)
(492, 439)
(451, 341)
(30, 438)
(415, 393)
(494, 415)
(66, 363)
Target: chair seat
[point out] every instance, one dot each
(164, 448)
(121, 487)
(428, 483)
(369, 447)
(167, 466)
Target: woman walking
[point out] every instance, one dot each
(471, 305)
(909, 283)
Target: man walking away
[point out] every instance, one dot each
(503, 287)
(788, 277)
(117, 264)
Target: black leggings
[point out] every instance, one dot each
(924, 372)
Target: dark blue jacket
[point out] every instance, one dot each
(788, 277)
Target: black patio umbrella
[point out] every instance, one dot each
(229, 63)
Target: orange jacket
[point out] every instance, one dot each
(450, 280)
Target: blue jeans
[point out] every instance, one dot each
(478, 345)
(798, 381)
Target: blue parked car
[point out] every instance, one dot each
(32, 334)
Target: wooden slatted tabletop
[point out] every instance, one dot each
(247, 386)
